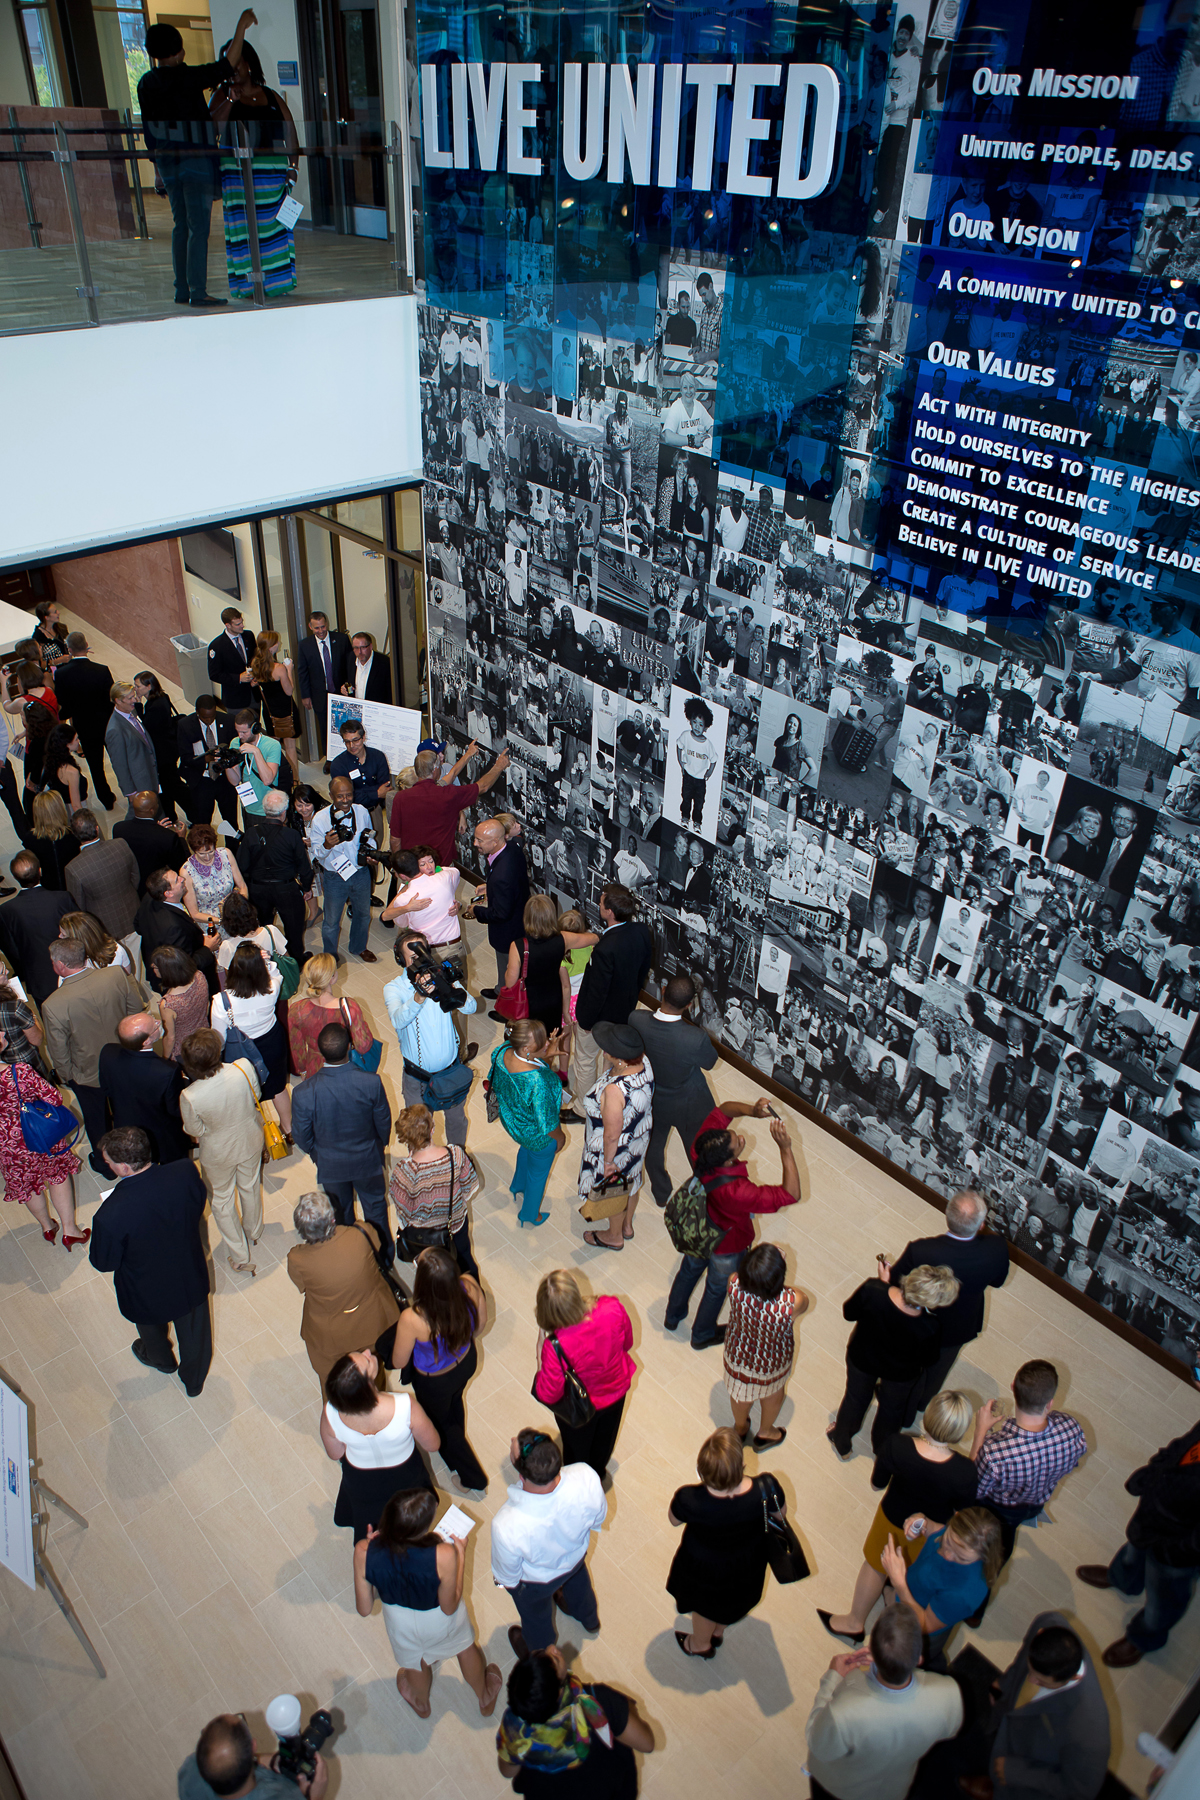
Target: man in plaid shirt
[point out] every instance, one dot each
(1022, 1461)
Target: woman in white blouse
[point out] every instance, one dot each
(251, 989)
(375, 1436)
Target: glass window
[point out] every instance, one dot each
(121, 36)
(40, 44)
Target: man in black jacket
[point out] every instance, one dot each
(274, 860)
(200, 736)
(229, 659)
(613, 980)
(1161, 1554)
(142, 1089)
(149, 1235)
(979, 1260)
(162, 918)
(500, 899)
(1052, 1743)
(322, 665)
(81, 688)
(153, 842)
(368, 674)
(679, 1053)
(29, 925)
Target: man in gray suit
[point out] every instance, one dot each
(679, 1053)
(341, 1118)
(80, 1018)
(1053, 1743)
(104, 879)
(129, 748)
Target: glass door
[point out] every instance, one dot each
(339, 42)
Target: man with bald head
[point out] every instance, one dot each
(141, 1088)
(226, 1763)
(427, 812)
(980, 1261)
(155, 843)
(500, 897)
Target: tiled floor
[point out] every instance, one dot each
(211, 1576)
(133, 275)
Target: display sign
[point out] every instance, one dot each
(16, 1504)
(396, 730)
(812, 473)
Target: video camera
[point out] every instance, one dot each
(370, 855)
(297, 1758)
(225, 756)
(436, 980)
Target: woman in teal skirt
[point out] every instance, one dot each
(247, 100)
(529, 1096)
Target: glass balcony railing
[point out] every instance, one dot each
(86, 218)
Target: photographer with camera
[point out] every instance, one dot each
(227, 1763)
(276, 864)
(419, 1002)
(429, 903)
(258, 767)
(204, 741)
(335, 841)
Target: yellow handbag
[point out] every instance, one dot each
(273, 1136)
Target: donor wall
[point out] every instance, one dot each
(811, 404)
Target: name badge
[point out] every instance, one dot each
(247, 793)
(356, 774)
(198, 749)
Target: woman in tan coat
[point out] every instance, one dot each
(219, 1108)
(347, 1303)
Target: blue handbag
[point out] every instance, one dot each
(46, 1127)
(238, 1044)
(363, 1059)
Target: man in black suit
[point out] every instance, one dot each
(200, 735)
(82, 690)
(1055, 1741)
(229, 659)
(275, 862)
(322, 665)
(679, 1053)
(368, 675)
(341, 1118)
(979, 1259)
(613, 980)
(500, 899)
(143, 1089)
(695, 894)
(153, 842)
(162, 918)
(29, 925)
(149, 1235)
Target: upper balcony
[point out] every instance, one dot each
(85, 238)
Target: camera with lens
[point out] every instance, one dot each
(297, 1758)
(437, 981)
(371, 856)
(225, 756)
(343, 823)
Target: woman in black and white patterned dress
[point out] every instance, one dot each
(618, 1113)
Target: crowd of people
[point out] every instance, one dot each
(149, 980)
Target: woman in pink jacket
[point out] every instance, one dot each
(595, 1338)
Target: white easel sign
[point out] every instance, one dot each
(16, 1515)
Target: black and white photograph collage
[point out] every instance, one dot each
(941, 882)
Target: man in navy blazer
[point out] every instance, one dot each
(142, 1088)
(322, 665)
(979, 1259)
(613, 980)
(229, 659)
(341, 1118)
(149, 1235)
(500, 898)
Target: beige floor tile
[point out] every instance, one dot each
(256, 1556)
(122, 1464)
(239, 1656)
(321, 1649)
(184, 1566)
(260, 1453)
(193, 1462)
(155, 1654)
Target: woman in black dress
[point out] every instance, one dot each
(720, 1568)
(156, 710)
(51, 840)
(547, 983)
(60, 772)
(895, 1338)
(927, 1479)
(273, 679)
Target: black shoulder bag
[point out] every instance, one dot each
(574, 1407)
(412, 1239)
(785, 1552)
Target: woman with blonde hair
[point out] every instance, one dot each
(314, 1007)
(896, 1337)
(720, 1568)
(432, 1185)
(593, 1336)
(528, 1095)
(926, 1479)
(950, 1579)
(103, 951)
(272, 676)
(52, 840)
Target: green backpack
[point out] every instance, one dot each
(686, 1217)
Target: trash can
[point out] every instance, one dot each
(191, 654)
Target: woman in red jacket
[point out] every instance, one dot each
(595, 1337)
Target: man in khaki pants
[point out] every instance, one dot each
(220, 1110)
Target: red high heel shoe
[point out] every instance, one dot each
(51, 1234)
(69, 1242)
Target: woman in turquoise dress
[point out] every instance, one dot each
(247, 100)
(529, 1095)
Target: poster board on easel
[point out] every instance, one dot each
(17, 1510)
(396, 730)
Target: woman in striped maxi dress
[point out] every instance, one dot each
(274, 147)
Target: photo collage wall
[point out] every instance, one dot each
(842, 605)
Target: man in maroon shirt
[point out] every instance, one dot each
(427, 812)
(733, 1200)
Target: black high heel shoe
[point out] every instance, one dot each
(681, 1638)
(851, 1637)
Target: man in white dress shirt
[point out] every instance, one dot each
(540, 1539)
